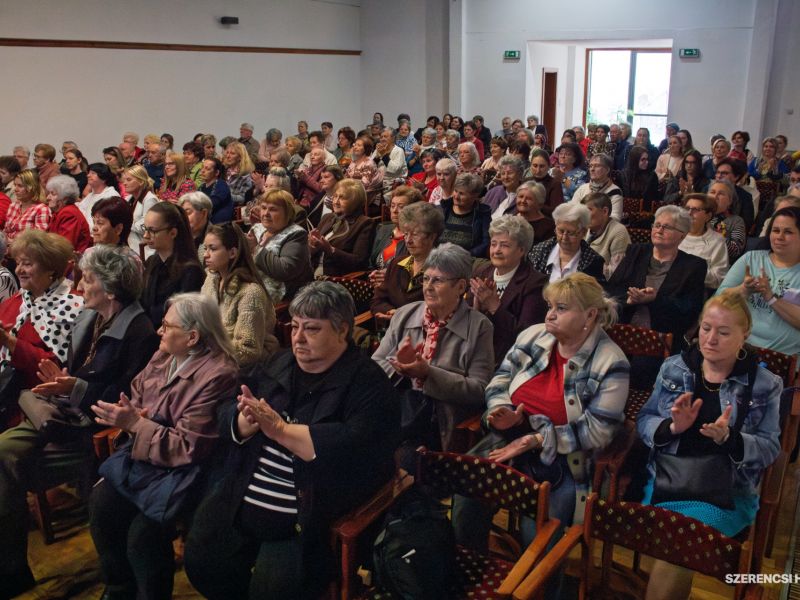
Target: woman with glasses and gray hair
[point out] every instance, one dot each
(658, 285)
(731, 226)
(508, 290)
(67, 219)
(568, 252)
(439, 351)
(310, 440)
(111, 341)
(171, 418)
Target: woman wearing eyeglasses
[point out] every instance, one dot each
(703, 241)
(732, 227)
(439, 351)
(658, 285)
(173, 268)
(568, 252)
(690, 179)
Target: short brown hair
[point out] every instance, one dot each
(709, 202)
(51, 251)
(46, 149)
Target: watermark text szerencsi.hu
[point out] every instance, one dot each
(761, 578)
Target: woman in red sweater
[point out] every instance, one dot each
(67, 220)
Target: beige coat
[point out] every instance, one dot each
(248, 317)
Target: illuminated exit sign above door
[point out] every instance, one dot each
(689, 52)
(511, 55)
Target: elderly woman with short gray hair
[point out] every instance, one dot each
(530, 198)
(446, 171)
(469, 160)
(311, 441)
(442, 351)
(198, 208)
(508, 290)
(67, 219)
(658, 285)
(568, 252)
(501, 199)
(466, 218)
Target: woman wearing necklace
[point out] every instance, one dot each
(713, 410)
(669, 163)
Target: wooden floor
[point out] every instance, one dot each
(69, 567)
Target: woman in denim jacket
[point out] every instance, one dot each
(692, 412)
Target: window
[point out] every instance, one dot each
(628, 85)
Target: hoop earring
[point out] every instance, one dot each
(741, 350)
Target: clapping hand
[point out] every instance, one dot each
(318, 242)
(409, 361)
(259, 415)
(55, 381)
(719, 430)
(122, 414)
(641, 295)
(518, 446)
(485, 294)
(760, 285)
(502, 417)
(684, 412)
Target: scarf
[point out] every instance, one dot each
(597, 187)
(52, 315)
(276, 290)
(431, 327)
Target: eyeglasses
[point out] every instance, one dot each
(693, 209)
(167, 325)
(665, 227)
(414, 234)
(153, 230)
(437, 281)
(567, 234)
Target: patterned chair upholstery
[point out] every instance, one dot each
(639, 341)
(768, 190)
(639, 235)
(656, 532)
(501, 487)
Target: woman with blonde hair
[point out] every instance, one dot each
(238, 166)
(176, 183)
(30, 211)
(342, 242)
(714, 413)
(141, 199)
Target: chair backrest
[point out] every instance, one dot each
(639, 341)
(631, 205)
(767, 190)
(639, 235)
(667, 536)
(360, 289)
(500, 486)
(782, 365)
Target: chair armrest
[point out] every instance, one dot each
(529, 558)
(753, 592)
(790, 427)
(773, 480)
(472, 424)
(536, 580)
(100, 443)
(612, 457)
(363, 318)
(350, 526)
(356, 275)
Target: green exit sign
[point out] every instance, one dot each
(689, 52)
(511, 55)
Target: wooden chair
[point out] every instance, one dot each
(634, 342)
(361, 290)
(630, 207)
(499, 486)
(639, 235)
(656, 532)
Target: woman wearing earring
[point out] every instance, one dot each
(141, 199)
(234, 283)
(173, 267)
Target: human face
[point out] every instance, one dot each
(684, 139)
(569, 236)
(327, 181)
(664, 234)
(217, 258)
(103, 232)
(427, 139)
(418, 243)
(510, 178)
(538, 140)
(465, 156)
(579, 134)
(532, 123)
(505, 253)
(600, 135)
(358, 148)
(386, 137)
(721, 194)
(208, 172)
(522, 136)
(675, 147)
(126, 149)
(344, 143)
(155, 155)
(404, 130)
(441, 291)
(230, 158)
(71, 161)
(566, 159)
(469, 132)
(698, 213)
(189, 159)
(456, 123)
(66, 148)
(726, 172)
(209, 151)
(22, 158)
(642, 137)
(245, 133)
(165, 141)
(784, 238)
(343, 205)
(598, 172)
(302, 128)
(440, 131)
(506, 123)
(738, 141)
(768, 150)
(132, 185)
(53, 201)
(94, 296)
(5, 176)
(21, 192)
(526, 203)
(496, 151)
(692, 166)
(444, 178)
(157, 235)
(316, 344)
(720, 336)
(613, 133)
(315, 142)
(720, 149)
(565, 320)
(31, 275)
(326, 131)
(599, 217)
(273, 217)
(111, 161)
(197, 218)
(463, 200)
(39, 159)
(539, 167)
(317, 156)
(644, 162)
(429, 165)
(397, 204)
(175, 340)
(794, 178)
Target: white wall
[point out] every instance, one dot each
(726, 89)
(92, 96)
(783, 102)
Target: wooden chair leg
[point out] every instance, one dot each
(44, 516)
(349, 550)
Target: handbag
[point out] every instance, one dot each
(160, 493)
(709, 478)
(416, 415)
(58, 422)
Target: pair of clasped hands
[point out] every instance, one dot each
(503, 418)
(317, 241)
(760, 285)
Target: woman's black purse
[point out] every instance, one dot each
(709, 478)
(57, 422)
